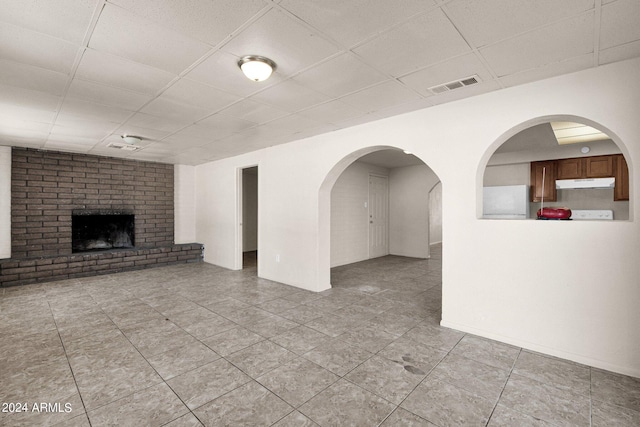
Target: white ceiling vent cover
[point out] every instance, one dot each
(123, 146)
(456, 84)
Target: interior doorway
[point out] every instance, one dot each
(249, 218)
(378, 216)
(386, 232)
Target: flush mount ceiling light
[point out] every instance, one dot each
(131, 139)
(256, 68)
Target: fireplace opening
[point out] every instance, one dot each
(102, 232)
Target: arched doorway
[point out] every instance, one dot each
(407, 266)
(559, 161)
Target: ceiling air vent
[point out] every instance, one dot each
(467, 81)
(123, 146)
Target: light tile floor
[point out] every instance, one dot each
(196, 344)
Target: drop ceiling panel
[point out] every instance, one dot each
(290, 96)
(284, 40)
(253, 111)
(94, 134)
(620, 53)
(90, 110)
(154, 123)
(165, 107)
(202, 133)
(555, 69)
(122, 73)
(107, 95)
(180, 141)
(350, 22)
(221, 126)
(93, 127)
(33, 78)
(201, 95)
(489, 21)
(554, 43)
(66, 144)
(22, 138)
(19, 124)
(450, 70)
(65, 19)
(422, 41)
(123, 34)
(65, 139)
(620, 23)
(291, 124)
(12, 95)
(340, 76)
(221, 70)
(204, 20)
(332, 112)
(37, 49)
(401, 108)
(384, 95)
(10, 111)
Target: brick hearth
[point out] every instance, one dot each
(46, 187)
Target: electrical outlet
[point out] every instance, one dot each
(278, 258)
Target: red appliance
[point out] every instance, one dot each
(554, 213)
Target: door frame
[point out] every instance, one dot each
(239, 212)
(377, 175)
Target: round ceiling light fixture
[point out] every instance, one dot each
(131, 139)
(256, 68)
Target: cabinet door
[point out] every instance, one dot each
(621, 190)
(599, 166)
(570, 168)
(548, 170)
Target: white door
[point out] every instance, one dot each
(378, 216)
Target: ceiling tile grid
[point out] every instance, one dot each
(77, 74)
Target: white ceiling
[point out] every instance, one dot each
(76, 74)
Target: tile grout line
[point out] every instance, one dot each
(590, 397)
(513, 365)
(86, 412)
(421, 381)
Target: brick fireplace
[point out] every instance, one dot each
(52, 191)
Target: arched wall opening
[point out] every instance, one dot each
(565, 152)
(410, 182)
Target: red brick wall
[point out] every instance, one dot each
(47, 186)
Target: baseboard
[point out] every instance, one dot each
(596, 363)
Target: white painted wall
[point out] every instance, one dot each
(435, 214)
(568, 289)
(249, 210)
(5, 202)
(184, 200)
(350, 214)
(409, 210)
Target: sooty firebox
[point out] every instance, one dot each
(102, 231)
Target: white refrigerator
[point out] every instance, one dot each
(506, 202)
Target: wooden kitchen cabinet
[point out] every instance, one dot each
(571, 168)
(549, 191)
(598, 166)
(579, 168)
(621, 173)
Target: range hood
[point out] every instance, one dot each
(570, 184)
